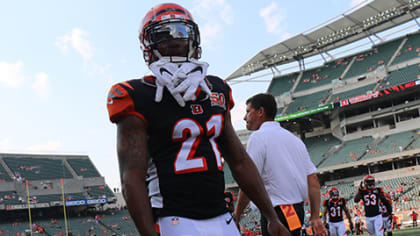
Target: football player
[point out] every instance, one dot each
(180, 117)
(386, 217)
(371, 196)
(335, 206)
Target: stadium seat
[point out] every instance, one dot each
(37, 168)
(83, 167)
(4, 177)
(401, 76)
(410, 49)
(282, 84)
(353, 93)
(349, 152)
(319, 145)
(369, 60)
(308, 101)
(323, 75)
(392, 144)
(99, 191)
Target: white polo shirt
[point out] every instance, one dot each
(282, 161)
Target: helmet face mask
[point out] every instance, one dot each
(334, 193)
(168, 31)
(369, 182)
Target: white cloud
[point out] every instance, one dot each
(227, 14)
(77, 40)
(209, 31)
(11, 75)
(41, 85)
(50, 146)
(213, 10)
(357, 2)
(214, 16)
(274, 18)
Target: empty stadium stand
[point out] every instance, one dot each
(58, 197)
(416, 142)
(308, 101)
(37, 168)
(83, 167)
(410, 49)
(4, 176)
(354, 92)
(323, 75)
(401, 76)
(282, 84)
(391, 144)
(9, 197)
(99, 191)
(319, 145)
(349, 152)
(369, 60)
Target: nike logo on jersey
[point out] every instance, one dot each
(198, 68)
(164, 70)
(229, 220)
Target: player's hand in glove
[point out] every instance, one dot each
(164, 71)
(361, 185)
(189, 77)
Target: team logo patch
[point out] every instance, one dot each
(114, 94)
(218, 99)
(196, 109)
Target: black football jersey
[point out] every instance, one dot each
(183, 142)
(335, 209)
(371, 199)
(384, 210)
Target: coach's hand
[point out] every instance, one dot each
(276, 228)
(318, 227)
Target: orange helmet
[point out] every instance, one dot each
(369, 181)
(166, 22)
(334, 193)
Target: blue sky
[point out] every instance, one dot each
(58, 60)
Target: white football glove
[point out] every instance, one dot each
(189, 77)
(164, 72)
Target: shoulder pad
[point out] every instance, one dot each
(119, 101)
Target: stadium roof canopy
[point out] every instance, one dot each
(372, 18)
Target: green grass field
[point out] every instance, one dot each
(404, 232)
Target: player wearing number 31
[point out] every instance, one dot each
(371, 197)
(180, 117)
(334, 206)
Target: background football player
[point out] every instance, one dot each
(180, 117)
(386, 217)
(371, 197)
(334, 206)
